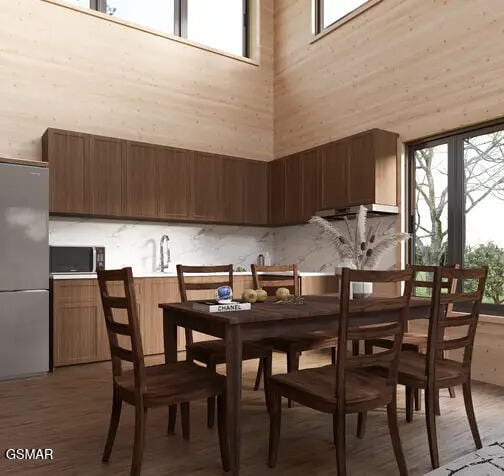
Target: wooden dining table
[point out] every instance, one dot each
(265, 320)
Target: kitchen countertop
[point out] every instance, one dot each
(172, 274)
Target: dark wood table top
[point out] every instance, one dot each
(314, 306)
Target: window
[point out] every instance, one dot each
(328, 12)
(219, 24)
(456, 203)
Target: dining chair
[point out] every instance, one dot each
(416, 341)
(352, 385)
(434, 371)
(270, 278)
(213, 352)
(153, 386)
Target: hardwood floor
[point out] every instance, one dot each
(69, 412)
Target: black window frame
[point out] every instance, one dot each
(180, 20)
(318, 12)
(456, 189)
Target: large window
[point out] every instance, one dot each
(220, 24)
(456, 204)
(328, 12)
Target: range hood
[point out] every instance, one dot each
(374, 210)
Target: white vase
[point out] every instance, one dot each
(361, 290)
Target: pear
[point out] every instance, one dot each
(283, 294)
(262, 295)
(249, 295)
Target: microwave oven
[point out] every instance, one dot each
(76, 259)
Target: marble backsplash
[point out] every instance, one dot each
(136, 244)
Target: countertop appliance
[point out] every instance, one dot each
(24, 270)
(76, 259)
(374, 210)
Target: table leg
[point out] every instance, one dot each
(170, 352)
(233, 394)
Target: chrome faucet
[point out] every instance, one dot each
(164, 266)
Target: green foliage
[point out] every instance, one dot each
(491, 255)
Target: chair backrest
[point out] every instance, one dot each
(467, 322)
(196, 283)
(390, 313)
(130, 329)
(267, 278)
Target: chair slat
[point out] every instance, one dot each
(115, 302)
(202, 286)
(123, 354)
(118, 328)
(363, 333)
(453, 344)
(459, 298)
(455, 321)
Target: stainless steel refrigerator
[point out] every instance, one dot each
(24, 270)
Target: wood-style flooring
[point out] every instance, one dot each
(69, 412)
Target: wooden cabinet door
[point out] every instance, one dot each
(310, 184)
(104, 177)
(173, 183)
(140, 171)
(387, 164)
(233, 201)
(255, 190)
(277, 191)
(333, 163)
(67, 153)
(206, 187)
(293, 189)
(361, 170)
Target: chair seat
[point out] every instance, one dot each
(174, 383)
(316, 388)
(215, 351)
(311, 341)
(412, 371)
(411, 341)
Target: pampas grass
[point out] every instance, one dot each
(361, 247)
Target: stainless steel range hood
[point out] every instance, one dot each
(374, 210)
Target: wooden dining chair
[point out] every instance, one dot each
(270, 278)
(213, 352)
(433, 371)
(352, 385)
(416, 341)
(154, 386)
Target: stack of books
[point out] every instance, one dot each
(214, 306)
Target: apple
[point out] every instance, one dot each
(283, 294)
(262, 295)
(249, 295)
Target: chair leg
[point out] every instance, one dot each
(437, 408)
(409, 403)
(361, 424)
(260, 370)
(355, 347)
(466, 388)
(339, 436)
(114, 423)
(267, 370)
(139, 442)
(430, 415)
(223, 438)
(292, 365)
(172, 419)
(211, 402)
(333, 355)
(394, 435)
(186, 421)
(451, 390)
(275, 424)
(418, 400)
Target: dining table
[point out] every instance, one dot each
(265, 320)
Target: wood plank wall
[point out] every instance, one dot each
(65, 69)
(415, 67)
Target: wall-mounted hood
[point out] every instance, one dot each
(374, 210)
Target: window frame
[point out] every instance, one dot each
(456, 188)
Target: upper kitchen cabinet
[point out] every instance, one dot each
(233, 191)
(310, 183)
(67, 153)
(255, 191)
(207, 184)
(173, 183)
(103, 179)
(277, 191)
(140, 180)
(333, 174)
(293, 193)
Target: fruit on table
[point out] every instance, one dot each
(262, 295)
(283, 294)
(249, 295)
